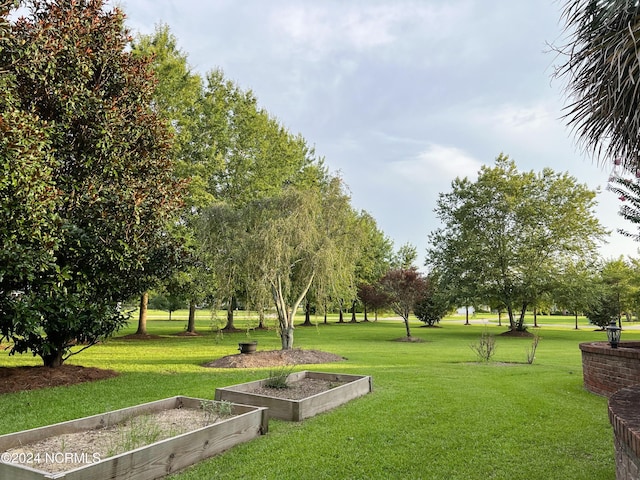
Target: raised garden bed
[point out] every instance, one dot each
(339, 388)
(23, 459)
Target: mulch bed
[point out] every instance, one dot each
(274, 358)
(517, 334)
(15, 379)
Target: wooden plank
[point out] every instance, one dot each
(86, 423)
(296, 410)
(333, 398)
(151, 461)
(20, 472)
(280, 408)
(174, 454)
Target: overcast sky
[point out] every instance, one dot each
(398, 96)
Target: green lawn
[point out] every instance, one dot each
(435, 412)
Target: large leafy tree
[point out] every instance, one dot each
(434, 302)
(374, 258)
(279, 245)
(506, 235)
(258, 158)
(576, 287)
(179, 99)
(601, 68)
(107, 182)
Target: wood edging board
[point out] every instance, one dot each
(148, 462)
(297, 410)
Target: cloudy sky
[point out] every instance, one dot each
(398, 96)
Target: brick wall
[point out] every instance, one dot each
(606, 370)
(624, 415)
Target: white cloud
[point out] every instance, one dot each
(437, 164)
(323, 29)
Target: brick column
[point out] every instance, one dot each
(606, 370)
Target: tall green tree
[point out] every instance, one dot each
(617, 277)
(434, 302)
(374, 259)
(510, 232)
(576, 287)
(280, 245)
(68, 67)
(258, 159)
(179, 98)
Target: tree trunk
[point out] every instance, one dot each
(191, 324)
(576, 313)
(230, 307)
(53, 359)
(142, 317)
(512, 322)
(307, 314)
(353, 312)
(286, 335)
(366, 318)
(520, 325)
(261, 320)
(535, 317)
(341, 314)
(286, 315)
(499, 318)
(406, 326)
(467, 315)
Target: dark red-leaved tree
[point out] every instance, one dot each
(372, 298)
(403, 288)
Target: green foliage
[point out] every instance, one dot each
(167, 302)
(215, 410)
(508, 235)
(278, 378)
(604, 308)
(434, 303)
(275, 247)
(405, 257)
(79, 120)
(628, 192)
(135, 433)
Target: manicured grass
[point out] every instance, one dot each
(435, 412)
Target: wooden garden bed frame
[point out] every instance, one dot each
(353, 386)
(145, 463)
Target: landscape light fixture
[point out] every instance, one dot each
(613, 334)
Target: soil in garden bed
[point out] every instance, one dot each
(72, 450)
(274, 358)
(303, 388)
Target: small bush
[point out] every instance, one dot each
(531, 351)
(485, 348)
(278, 378)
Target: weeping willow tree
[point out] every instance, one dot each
(278, 246)
(301, 238)
(602, 70)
